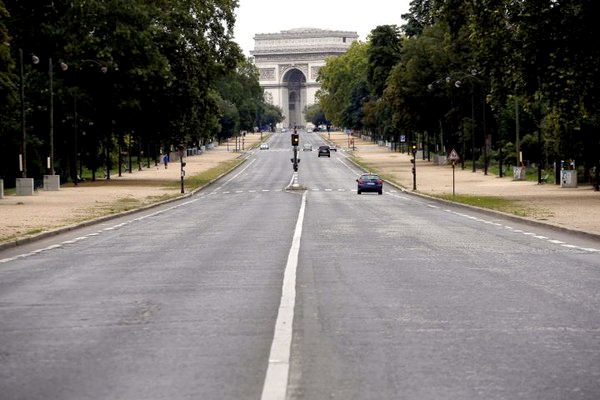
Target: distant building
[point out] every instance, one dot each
(289, 63)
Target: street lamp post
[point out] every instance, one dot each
(472, 76)
(458, 83)
(439, 145)
(24, 185)
(51, 161)
(23, 161)
(472, 129)
(63, 67)
(75, 149)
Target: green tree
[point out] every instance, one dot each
(271, 115)
(338, 77)
(314, 114)
(418, 18)
(382, 54)
(8, 105)
(241, 87)
(160, 60)
(229, 119)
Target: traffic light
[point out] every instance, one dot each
(414, 149)
(295, 139)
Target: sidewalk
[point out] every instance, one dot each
(570, 208)
(24, 217)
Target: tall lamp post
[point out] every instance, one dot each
(24, 185)
(23, 160)
(458, 83)
(63, 67)
(440, 146)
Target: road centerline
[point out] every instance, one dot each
(276, 379)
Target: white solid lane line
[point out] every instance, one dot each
(276, 379)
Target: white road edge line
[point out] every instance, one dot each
(276, 379)
(347, 166)
(235, 176)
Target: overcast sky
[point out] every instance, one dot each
(272, 16)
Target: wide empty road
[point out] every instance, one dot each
(247, 290)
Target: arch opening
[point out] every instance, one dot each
(294, 82)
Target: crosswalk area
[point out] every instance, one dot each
(310, 189)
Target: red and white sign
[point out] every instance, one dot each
(453, 156)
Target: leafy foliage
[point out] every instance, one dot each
(481, 76)
(383, 54)
(142, 76)
(338, 79)
(8, 99)
(314, 114)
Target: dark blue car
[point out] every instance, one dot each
(370, 183)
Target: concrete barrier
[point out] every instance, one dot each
(440, 159)
(568, 178)
(51, 183)
(24, 186)
(519, 173)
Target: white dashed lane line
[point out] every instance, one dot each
(216, 192)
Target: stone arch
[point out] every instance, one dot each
(293, 84)
(288, 63)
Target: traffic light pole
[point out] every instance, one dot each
(414, 163)
(295, 159)
(182, 175)
(295, 143)
(180, 152)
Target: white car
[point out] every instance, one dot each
(264, 146)
(307, 147)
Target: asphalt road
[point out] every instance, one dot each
(381, 297)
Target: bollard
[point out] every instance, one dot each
(24, 186)
(51, 182)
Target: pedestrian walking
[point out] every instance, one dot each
(166, 160)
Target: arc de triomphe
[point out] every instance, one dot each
(289, 63)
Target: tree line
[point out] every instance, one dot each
(99, 78)
(494, 79)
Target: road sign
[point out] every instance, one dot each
(453, 156)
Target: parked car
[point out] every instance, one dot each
(332, 147)
(264, 146)
(370, 183)
(324, 151)
(307, 147)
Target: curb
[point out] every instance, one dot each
(63, 229)
(488, 211)
(491, 212)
